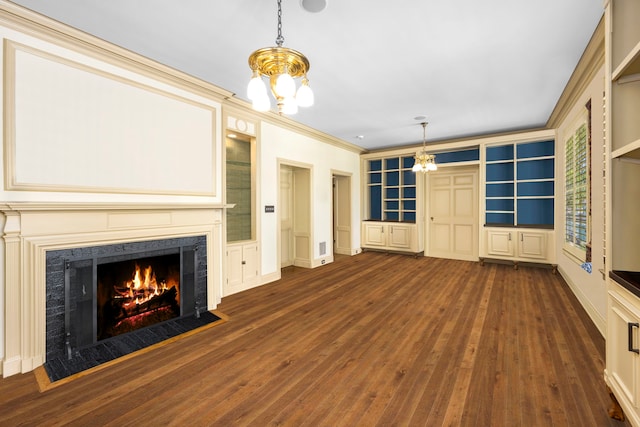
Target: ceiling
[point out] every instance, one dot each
(470, 67)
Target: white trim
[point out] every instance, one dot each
(598, 320)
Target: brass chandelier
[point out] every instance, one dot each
(281, 65)
(425, 162)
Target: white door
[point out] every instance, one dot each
(286, 216)
(342, 215)
(452, 227)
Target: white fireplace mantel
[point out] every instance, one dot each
(32, 229)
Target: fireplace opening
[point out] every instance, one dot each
(111, 299)
(106, 301)
(137, 293)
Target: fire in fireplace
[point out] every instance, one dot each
(137, 293)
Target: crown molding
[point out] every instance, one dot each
(44, 28)
(590, 62)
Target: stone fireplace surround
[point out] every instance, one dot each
(32, 229)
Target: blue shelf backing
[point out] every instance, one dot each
(500, 190)
(532, 203)
(375, 209)
(536, 149)
(499, 205)
(500, 172)
(498, 218)
(458, 156)
(535, 212)
(392, 189)
(536, 169)
(544, 188)
(502, 152)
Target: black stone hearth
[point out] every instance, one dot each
(111, 349)
(73, 344)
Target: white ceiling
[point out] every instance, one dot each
(471, 67)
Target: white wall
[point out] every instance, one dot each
(590, 289)
(284, 145)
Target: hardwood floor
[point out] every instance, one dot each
(369, 340)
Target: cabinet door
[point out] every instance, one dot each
(532, 244)
(500, 243)
(400, 236)
(234, 266)
(374, 235)
(622, 339)
(250, 264)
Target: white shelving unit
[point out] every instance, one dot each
(622, 372)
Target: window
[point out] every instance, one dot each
(577, 183)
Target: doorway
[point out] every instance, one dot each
(341, 214)
(452, 227)
(295, 216)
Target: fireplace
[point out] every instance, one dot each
(137, 293)
(40, 237)
(101, 297)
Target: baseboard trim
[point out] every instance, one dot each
(596, 318)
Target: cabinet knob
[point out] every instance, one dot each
(244, 262)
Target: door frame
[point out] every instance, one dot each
(309, 168)
(339, 216)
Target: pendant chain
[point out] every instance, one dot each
(279, 39)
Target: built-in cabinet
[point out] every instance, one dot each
(519, 184)
(242, 267)
(623, 204)
(623, 364)
(390, 236)
(519, 245)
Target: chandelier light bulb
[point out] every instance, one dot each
(256, 87)
(285, 85)
(304, 96)
(289, 105)
(417, 167)
(261, 102)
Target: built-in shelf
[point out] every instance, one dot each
(631, 150)
(630, 64)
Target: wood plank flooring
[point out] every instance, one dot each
(370, 340)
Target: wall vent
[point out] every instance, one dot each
(323, 248)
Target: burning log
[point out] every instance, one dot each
(165, 299)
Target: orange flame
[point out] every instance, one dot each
(143, 286)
